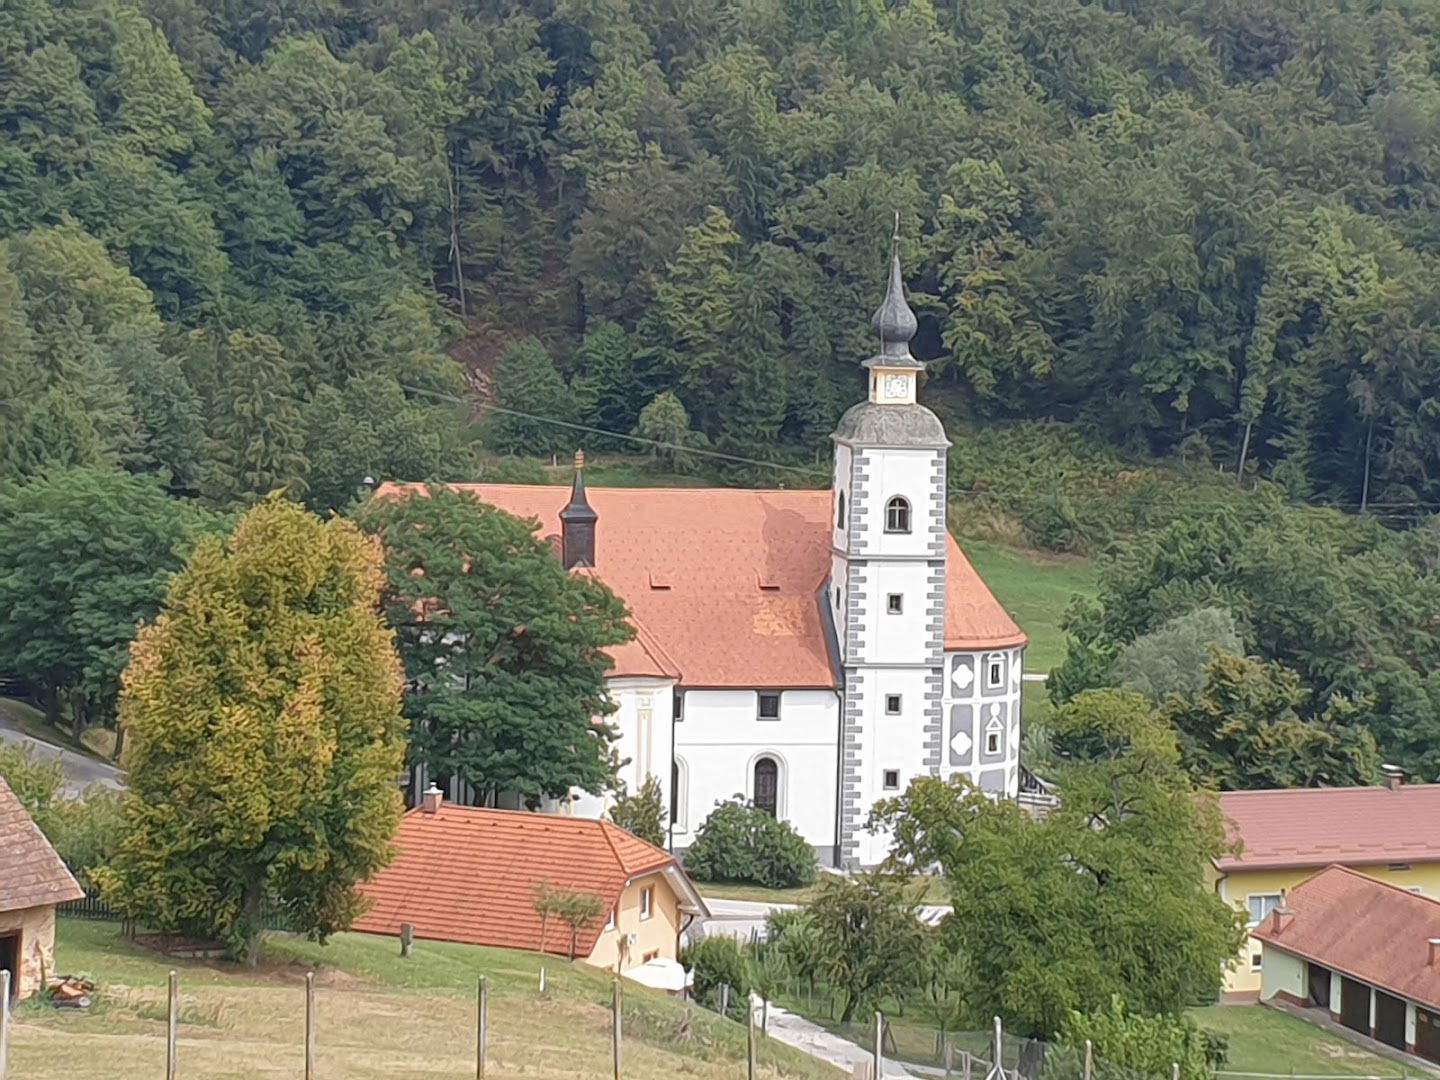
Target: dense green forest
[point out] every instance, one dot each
(246, 243)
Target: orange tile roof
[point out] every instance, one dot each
(689, 563)
(469, 874)
(31, 874)
(1358, 826)
(1367, 929)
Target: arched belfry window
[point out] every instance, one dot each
(767, 785)
(897, 515)
(840, 512)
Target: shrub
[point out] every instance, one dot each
(1145, 1044)
(740, 842)
(715, 962)
(642, 814)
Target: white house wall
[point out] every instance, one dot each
(720, 738)
(886, 742)
(909, 474)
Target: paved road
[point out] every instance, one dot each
(804, 1035)
(80, 770)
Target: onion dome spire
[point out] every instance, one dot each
(895, 322)
(577, 522)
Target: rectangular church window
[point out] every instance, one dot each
(892, 779)
(892, 704)
(769, 707)
(895, 603)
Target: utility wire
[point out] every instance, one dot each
(1379, 509)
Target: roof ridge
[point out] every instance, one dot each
(1350, 871)
(1297, 791)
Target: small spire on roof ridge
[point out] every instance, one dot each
(579, 460)
(895, 321)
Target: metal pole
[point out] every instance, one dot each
(965, 1065)
(310, 1025)
(172, 1026)
(1089, 1060)
(4, 1021)
(615, 1024)
(879, 1046)
(481, 1008)
(999, 1048)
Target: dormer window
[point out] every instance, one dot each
(897, 515)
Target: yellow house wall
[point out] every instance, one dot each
(658, 933)
(37, 944)
(1236, 886)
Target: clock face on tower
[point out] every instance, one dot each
(896, 386)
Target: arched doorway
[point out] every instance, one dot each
(767, 785)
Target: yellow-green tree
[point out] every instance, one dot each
(264, 735)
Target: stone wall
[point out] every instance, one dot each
(36, 927)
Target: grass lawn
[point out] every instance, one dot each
(378, 1016)
(1035, 589)
(1265, 1040)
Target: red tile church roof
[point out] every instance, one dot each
(469, 874)
(723, 584)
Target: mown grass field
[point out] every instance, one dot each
(1265, 1040)
(378, 1017)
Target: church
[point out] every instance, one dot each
(810, 651)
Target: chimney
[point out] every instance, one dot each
(1394, 776)
(1434, 944)
(432, 799)
(1280, 917)
(577, 522)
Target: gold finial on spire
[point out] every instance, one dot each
(579, 459)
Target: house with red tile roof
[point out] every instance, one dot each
(32, 881)
(472, 875)
(812, 651)
(1284, 836)
(1365, 951)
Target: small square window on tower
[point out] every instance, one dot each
(769, 707)
(892, 779)
(892, 704)
(895, 603)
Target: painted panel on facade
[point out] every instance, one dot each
(992, 781)
(962, 734)
(994, 721)
(989, 685)
(962, 676)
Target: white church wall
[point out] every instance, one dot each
(643, 718)
(978, 706)
(890, 638)
(910, 475)
(841, 483)
(888, 743)
(721, 737)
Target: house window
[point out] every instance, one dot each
(892, 779)
(994, 671)
(897, 515)
(895, 603)
(647, 902)
(767, 785)
(679, 705)
(840, 512)
(992, 737)
(610, 919)
(1260, 905)
(769, 707)
(892, 704)
(1256, 959)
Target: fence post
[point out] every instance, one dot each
(724, 999)
(965, 1065)
(615, 1025)
(407, 938)
(310, 1025)
(999, 1048)
(879, 1045)
(1174, 1070)
(949, 1050)
(1089, 1060)
(542, 981)
(5, 977)
(481, 1008)
(750, 1042)
(172, 1025)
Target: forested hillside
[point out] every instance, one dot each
(240, 237)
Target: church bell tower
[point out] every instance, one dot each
(887, 580)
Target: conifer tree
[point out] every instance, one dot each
(265, 735)
(528, 382)
(257, 430)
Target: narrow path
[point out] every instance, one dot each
(814, 1040)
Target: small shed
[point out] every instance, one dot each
(33, 880)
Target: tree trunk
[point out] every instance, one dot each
(51, 702)
(1244, 452)
(1365, 484)
(251, 914)
(78, 715)
(451, 176)
(119, 740)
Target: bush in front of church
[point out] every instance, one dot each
(740, 842)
